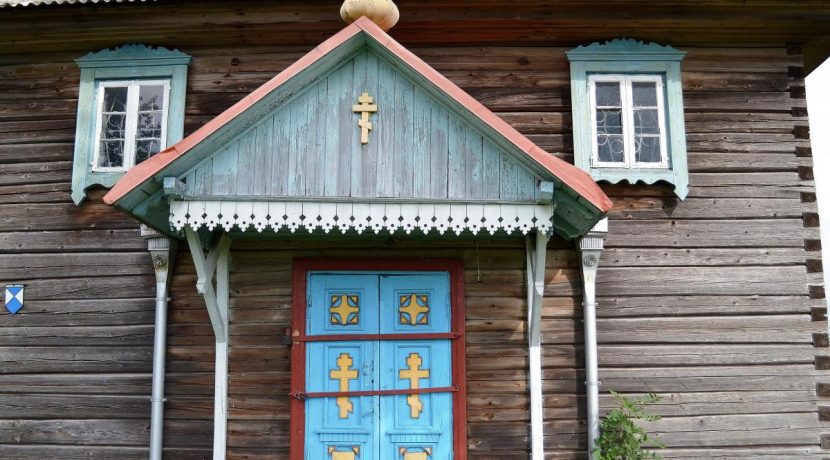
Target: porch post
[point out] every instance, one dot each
(590, 249)
(217, 300)
(220, 401)
(536, 254)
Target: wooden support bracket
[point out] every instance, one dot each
(206, 269)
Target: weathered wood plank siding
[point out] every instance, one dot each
(696, 302)
(707, 301)
(75, 362)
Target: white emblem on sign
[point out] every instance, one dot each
(14, 297)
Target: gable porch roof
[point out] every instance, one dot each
(576, 188)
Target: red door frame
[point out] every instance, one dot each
(302, 266)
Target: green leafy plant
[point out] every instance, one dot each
(620, 437)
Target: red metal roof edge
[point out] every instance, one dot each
(578, 180)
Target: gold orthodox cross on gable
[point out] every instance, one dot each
(414, 374)
(344, 374)
(365, 108)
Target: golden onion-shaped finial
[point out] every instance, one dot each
(384, 13)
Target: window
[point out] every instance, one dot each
(132, 121)
(628, 125)
(130, 107)
(628, 113)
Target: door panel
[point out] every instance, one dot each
(418, 425)
(341, 428)
(415, 304)
(416, 422)
(342, 424)
(342, 304)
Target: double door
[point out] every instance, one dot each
(357, 406)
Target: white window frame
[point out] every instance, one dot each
(131, 123)
(626, 95)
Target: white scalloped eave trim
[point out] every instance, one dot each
(360, 217)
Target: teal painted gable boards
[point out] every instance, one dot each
(630, 57)
(129, 62)
(297, 138)
(378, 426)
(309, 146)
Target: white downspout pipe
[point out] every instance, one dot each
(536, 253)
(160, 254)
(590, 248)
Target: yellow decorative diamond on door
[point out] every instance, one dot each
(414, 309)
(345, 309)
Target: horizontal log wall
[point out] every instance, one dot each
(75, 362)
(714, 302)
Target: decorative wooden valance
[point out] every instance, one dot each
(360, 217)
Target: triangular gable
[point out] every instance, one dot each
(310, 147)
(296, 137)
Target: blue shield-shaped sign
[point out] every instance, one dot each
(14, 297)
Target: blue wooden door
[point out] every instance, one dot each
(378, 426)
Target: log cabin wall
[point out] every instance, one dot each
(714, 302)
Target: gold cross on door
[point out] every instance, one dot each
(414, 374)
(344, 374)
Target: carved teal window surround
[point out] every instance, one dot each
(125, 66)
(612, 61)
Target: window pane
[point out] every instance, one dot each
(609, 121)
(610, 148)
(112, 126)
(646, 121)
(647, 149)
(115, 99)
(151, 98)
(645, 94)
(608, 94)
(111, 154)
(149, 125)
(145, 149)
